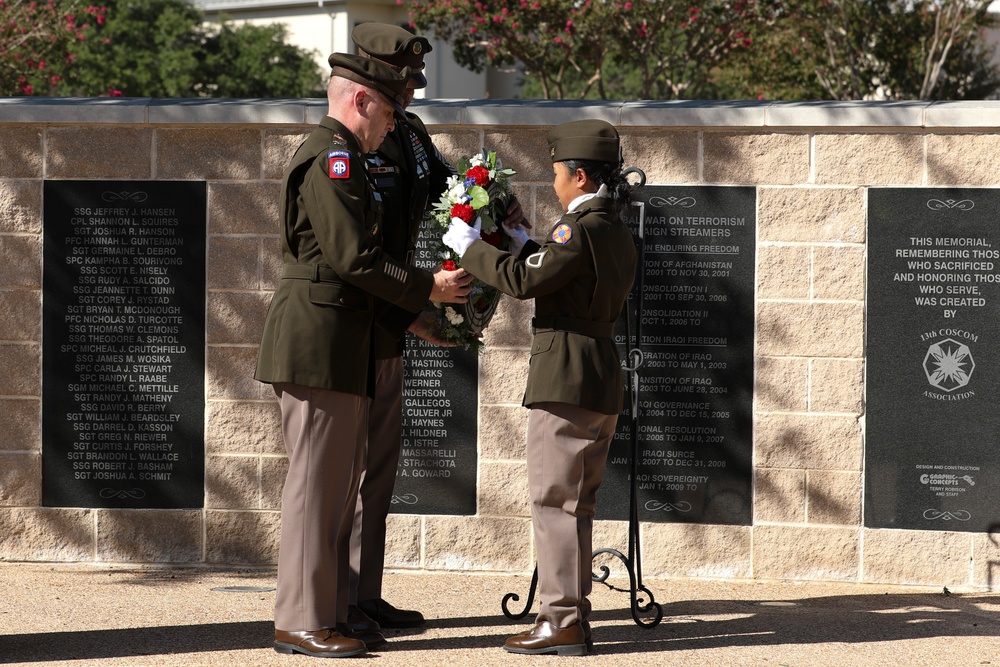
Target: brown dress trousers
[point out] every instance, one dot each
(566, 454)
(381, 454)
(319, 492)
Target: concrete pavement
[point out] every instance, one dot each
(85, 615)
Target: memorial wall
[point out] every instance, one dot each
(816, 317)
(933, 377)
(123, 345)
(692, 317)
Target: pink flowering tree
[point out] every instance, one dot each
(37, 40)
(872, 49)
(645, 49)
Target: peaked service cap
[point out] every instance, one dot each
(394, 45)
(584, 140)
(374, 74)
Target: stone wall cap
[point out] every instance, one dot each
(702, 114)
(852, 113)
(963, 114)
(231, 111)
(539, 112)
(76, 110)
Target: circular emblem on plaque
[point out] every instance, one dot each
(948, 365)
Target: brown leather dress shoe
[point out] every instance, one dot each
(388, 616)
(318, 643)
(547, 638)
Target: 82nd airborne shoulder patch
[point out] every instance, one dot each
(562, 234)
(339, 164)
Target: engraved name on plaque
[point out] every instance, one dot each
(438, 462)
(123, 344)
(933, 381)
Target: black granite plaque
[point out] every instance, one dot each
(123, 344)
(933, 381)
(438, 463)
(696, 382)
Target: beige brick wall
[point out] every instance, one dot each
(810, 165)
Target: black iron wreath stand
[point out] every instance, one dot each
(638, 592)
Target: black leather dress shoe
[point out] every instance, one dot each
(359, 621)
(547, 638)
(371, 638)
(318, 643)
(388, 616)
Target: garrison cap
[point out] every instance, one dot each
(584, 140)
(393, 45)
(374, 74)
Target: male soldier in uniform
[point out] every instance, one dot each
(316, 347)
(408, 171)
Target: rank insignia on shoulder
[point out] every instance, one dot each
(562, 234)
(339, 164)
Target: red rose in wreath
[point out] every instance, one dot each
(493, 238)
(449, 265)
(463, 212)
(481, 175)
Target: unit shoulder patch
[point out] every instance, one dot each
(562, 234)
(339, 164)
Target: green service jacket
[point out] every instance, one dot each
(408, 172)
(319, 326)
(580, 278)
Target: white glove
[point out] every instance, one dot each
(518, 237)
(460, 235)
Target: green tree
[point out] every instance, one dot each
(652, 49)
(146, 48)
(256, 61)
(36, 39)
(160, 48)
(869, 49)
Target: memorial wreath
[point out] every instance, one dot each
(477, 195)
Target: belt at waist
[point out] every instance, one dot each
(573, 325)
(317, 273)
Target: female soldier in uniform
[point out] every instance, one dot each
(580, 278)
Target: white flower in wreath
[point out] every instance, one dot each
(453, 316)
(456, 189)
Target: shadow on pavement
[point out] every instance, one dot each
(687, 625)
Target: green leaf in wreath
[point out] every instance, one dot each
(480, 197)
(488, 223)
